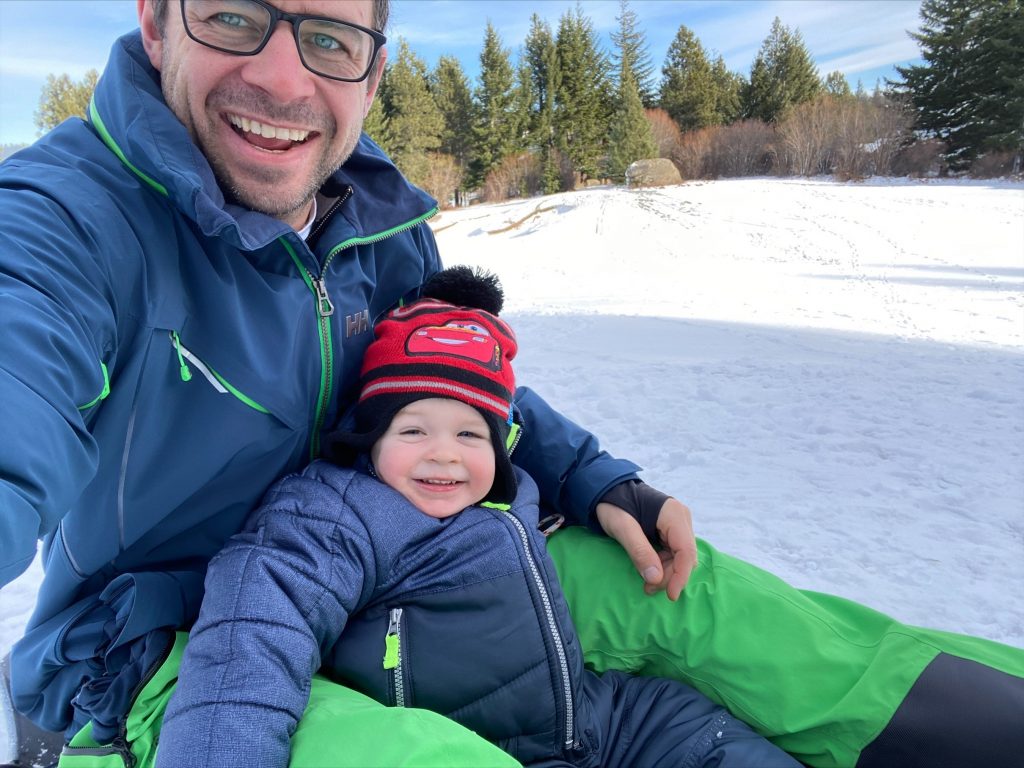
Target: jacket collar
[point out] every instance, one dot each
(129, 113)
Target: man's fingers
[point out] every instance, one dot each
(618, 524)
(675, 526)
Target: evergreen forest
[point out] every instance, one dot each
(565, 112)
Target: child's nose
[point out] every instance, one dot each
(443, 451)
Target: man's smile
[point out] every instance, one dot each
(266, 135)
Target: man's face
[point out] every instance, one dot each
(272, 130)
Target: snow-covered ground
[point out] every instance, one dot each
(830, 375)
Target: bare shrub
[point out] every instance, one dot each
(808, 136)
(925, 157)
(852, 138)
(853, 143)
(666, 133)
(441, 178)
(995, 164)
(692, 153)
(746, 148)
(516, 176)
(890, 125)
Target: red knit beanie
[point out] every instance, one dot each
(435, 347)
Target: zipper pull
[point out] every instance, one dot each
(186, 374)
(324, 305)
(391, 641)
(124, 750)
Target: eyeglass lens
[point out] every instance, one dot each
(326, 47)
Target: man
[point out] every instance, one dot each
(188, 282)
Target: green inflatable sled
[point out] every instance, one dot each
(830, 681)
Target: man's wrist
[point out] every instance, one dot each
(641, 502)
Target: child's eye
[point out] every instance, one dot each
(471, 434)
(411, 431)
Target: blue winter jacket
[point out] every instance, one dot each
(165, 356)
(463, 616)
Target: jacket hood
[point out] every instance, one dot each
(129, 114)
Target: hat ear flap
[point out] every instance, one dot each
(503, 438)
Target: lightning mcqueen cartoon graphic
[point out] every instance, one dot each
(457, 339)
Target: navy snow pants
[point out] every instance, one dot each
(653, 722)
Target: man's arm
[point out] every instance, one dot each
(57, 331)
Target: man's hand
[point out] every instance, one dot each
(668, 568)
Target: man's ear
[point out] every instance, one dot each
(373, 79)
(152, 40)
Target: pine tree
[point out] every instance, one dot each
(62, 98)
(414, 124)
(543, 61)
(494, 129)
(631, 138)
(782, 75)
(999, 61)
(375, 124)
(688, 91)
(631, 54)
(523, 99)
(582, 104)
(451, 91)
(970, 91)
(729, 87)
(837, 85)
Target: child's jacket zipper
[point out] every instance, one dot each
(393, 655)
(552, 626)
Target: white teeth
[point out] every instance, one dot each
(267, 131)
(439, 482)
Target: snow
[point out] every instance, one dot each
(830, 375)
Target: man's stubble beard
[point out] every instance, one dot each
(265, 198)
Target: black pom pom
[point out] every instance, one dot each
(466, 287)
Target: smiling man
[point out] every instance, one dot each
(187, 284)
(279, 118)
(181, 279)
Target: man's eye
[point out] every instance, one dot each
(231, 19)
(325, 42)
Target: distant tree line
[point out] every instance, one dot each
(564, 112)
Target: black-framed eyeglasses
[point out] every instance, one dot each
(328, 47)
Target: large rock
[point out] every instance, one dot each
(658, 172)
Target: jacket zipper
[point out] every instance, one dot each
(556, 636)
(325, 308)
(120, 745)
(393, 655)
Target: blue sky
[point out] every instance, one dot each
(864, 39)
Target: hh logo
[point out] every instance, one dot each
(357, 323)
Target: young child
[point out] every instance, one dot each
(420, 578)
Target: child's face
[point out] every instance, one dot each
(438, 454)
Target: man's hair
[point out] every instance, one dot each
(381, 11)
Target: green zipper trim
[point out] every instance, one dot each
(247, 400)
(103, 393)
(513, 437)
(323, 328)
(94, 116)
(186, 375)
(324, 323)
(382, 235)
